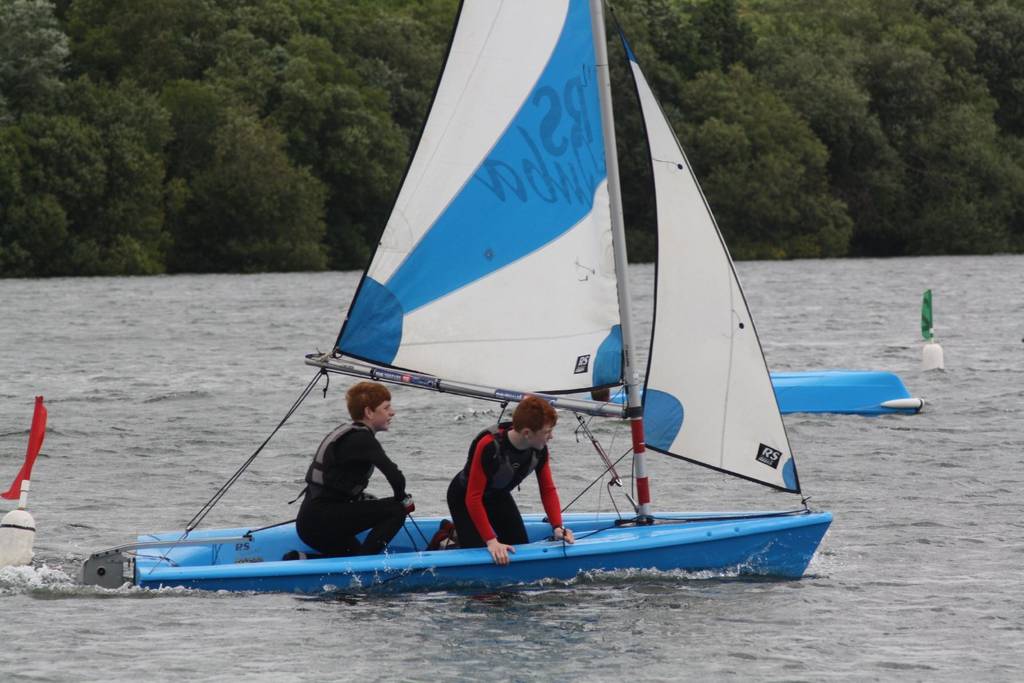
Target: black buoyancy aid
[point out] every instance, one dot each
(315, 473)
(508, 466)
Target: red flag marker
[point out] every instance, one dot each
(35, 443)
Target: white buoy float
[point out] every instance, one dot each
(17, 534)
(931, 354)
(18, 528)
(931, 357)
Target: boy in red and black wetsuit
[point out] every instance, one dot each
(480, 496)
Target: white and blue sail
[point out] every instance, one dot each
(495, 266)
(708, 396)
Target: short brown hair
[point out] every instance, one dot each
(533, 413)
(365, 395)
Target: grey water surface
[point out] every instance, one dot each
(159, 388)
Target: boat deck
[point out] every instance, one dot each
(775, 544)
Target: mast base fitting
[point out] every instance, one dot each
(639, 520)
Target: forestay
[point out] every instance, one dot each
(495, 266)
(708, 396)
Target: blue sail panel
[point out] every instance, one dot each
(537, 182)
(374, 328)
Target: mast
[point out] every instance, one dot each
(631, 376)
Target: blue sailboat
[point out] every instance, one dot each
(501, 273)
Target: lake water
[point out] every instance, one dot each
(159, 388)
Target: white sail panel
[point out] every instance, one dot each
(708, 397)
(504, 204)
(541, 292)
(477, 98)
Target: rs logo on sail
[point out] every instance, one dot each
(768, 455)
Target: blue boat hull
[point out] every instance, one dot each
(858, 392)
(768, 544)
(852, 392)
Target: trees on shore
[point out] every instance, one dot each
(148, 136)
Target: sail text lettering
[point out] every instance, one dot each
(557, 162)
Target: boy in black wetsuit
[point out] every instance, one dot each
(335, 507)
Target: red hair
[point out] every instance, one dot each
(365, 395)
(533, 413)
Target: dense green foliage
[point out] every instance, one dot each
(148, 136)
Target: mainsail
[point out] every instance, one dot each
(496, 266)
(708, 396)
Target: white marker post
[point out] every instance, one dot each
(931, 354)
(18, 528)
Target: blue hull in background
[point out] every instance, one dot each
(859, 392)
(762, 544)
(853, 392)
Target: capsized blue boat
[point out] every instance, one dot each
(778, 544)
(858, 392)
(853, 392)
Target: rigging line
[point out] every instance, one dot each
(632, 481)
(693, 520)
(618, 513)
(160, 558)
(415, 524)
(615, 432)
(611, 499)
(585, 428)
(616, 479)
(591, 484)
(411, 538)
(737, 516)
(594, 532)
(250, 532)
(206, 508)
(689, 520)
